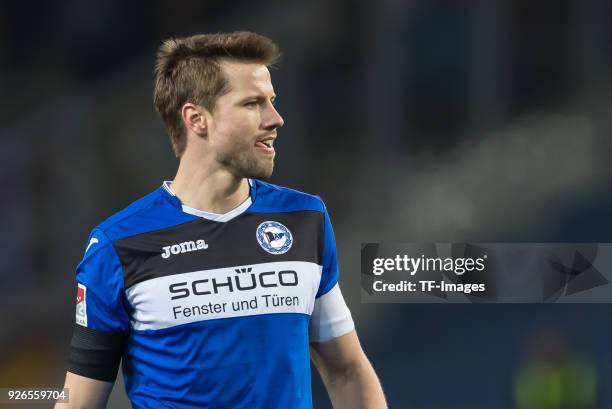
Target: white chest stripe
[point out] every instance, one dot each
(268, 288)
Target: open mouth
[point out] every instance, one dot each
(266, 144)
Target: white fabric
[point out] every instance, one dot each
(331, 317)
(217, 217)
(155, 309)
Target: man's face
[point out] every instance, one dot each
(243, 126)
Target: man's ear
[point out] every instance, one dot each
(194, 119)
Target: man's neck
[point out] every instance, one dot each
(210, 190)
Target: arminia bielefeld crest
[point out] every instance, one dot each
(274, 237)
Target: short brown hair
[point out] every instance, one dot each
(188, 70)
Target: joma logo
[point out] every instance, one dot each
(183, 247)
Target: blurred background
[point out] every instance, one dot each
(422, 120)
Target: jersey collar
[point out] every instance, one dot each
(217, 217)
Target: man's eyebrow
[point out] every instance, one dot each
(258, 97)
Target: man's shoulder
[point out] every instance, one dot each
(271, 197)
(149, 213)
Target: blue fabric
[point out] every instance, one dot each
(329, 278)
(271, 199)
(259, 361)
(158, 210)
(102, 274)
(247, 362)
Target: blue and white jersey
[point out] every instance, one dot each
(210, 310)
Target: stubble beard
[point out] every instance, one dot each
(244, 165)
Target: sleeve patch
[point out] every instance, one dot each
(81, 305)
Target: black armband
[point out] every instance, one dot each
(95, 354)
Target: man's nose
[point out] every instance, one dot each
(272, 119)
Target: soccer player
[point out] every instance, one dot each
(216, 288)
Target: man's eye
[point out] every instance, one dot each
(250, 104)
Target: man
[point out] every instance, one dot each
(213, 288)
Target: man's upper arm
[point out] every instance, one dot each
(330, 317)
(337, 357)
(102, 323)
(347, 374)
(85, 392)
(333, 341)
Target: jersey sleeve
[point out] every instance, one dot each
(329, 274)
(102, 319)
(331, 317)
